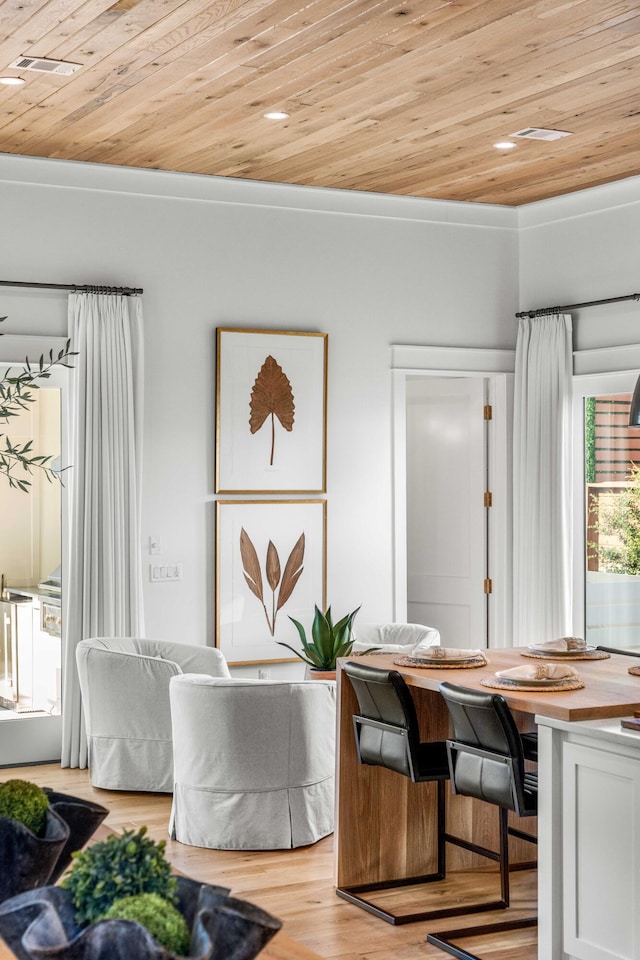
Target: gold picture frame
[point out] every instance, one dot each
(271, 411)
(271, 561)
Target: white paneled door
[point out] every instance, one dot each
(446, 438)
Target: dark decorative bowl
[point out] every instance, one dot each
(41, 924)
(83, 817)
(28, 861)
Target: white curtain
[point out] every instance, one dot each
(542, 509)
(104, 586)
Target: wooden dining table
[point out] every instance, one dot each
(385, 824)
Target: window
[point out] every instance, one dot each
(607, 520)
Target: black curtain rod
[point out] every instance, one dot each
(75, 287)
(545, 311)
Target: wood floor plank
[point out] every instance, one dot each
(297, 885)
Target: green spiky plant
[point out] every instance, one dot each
(17, 460)
(329, 640)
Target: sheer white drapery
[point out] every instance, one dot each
(104, 586)
(542, 511)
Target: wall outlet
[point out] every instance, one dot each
(165, 571)
(264, 673)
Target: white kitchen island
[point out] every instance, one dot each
(588, 809)
(589, 840)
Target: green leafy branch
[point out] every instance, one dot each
(619, 519)
(18, 461)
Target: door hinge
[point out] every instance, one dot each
(488, 411)
(488, 585)
(488, 498)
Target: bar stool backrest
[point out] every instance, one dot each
(386, 728)
(486, 758)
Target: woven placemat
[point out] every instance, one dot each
(503, 683)
(440, 664)
(635, 671)
(590, 655)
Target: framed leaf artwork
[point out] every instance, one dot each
(271, 400)
(270, 565)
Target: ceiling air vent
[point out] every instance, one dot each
(44, 65)
(539, 133)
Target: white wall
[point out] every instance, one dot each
(369, 270)
(585, 246)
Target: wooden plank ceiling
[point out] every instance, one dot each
(393, 96)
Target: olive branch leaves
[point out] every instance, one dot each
(16, 393)
(281, 584)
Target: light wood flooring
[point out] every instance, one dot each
(297, 885)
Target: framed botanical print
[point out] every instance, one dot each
(270, 565)
(271, 400)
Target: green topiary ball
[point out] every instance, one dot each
(24, 801)
(163, 921)
(120, 866)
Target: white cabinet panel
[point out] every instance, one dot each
(601, 840)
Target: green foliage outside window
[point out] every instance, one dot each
(590, 440)
(619, 518)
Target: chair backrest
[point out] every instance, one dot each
(386, 727)
(124, 682)
(401, 638)
(238, 734)
(486, 757)
(625, 653)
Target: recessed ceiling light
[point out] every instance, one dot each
(276, 115)
(12, 81)
(504, 145)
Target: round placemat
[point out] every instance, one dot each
(590, 655)
(635, 671)
(440, 664)
(503, 683)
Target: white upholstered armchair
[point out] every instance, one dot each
(124, 683)
(253, 762)
(402, 638)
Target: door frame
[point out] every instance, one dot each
(497, 368)
(26, 739)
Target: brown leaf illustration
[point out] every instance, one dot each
(271, 396)
(250, 564)
(292, 571)
(273, 566)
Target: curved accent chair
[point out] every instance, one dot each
(254, 762)
(401, 638)
(124, 683)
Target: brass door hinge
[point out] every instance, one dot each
(488, 585)
(488, 498)
(488, 411)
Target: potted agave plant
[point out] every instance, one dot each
(329, 641)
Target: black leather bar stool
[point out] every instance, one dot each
(486, 761)
(625, 653)
(387, 735)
